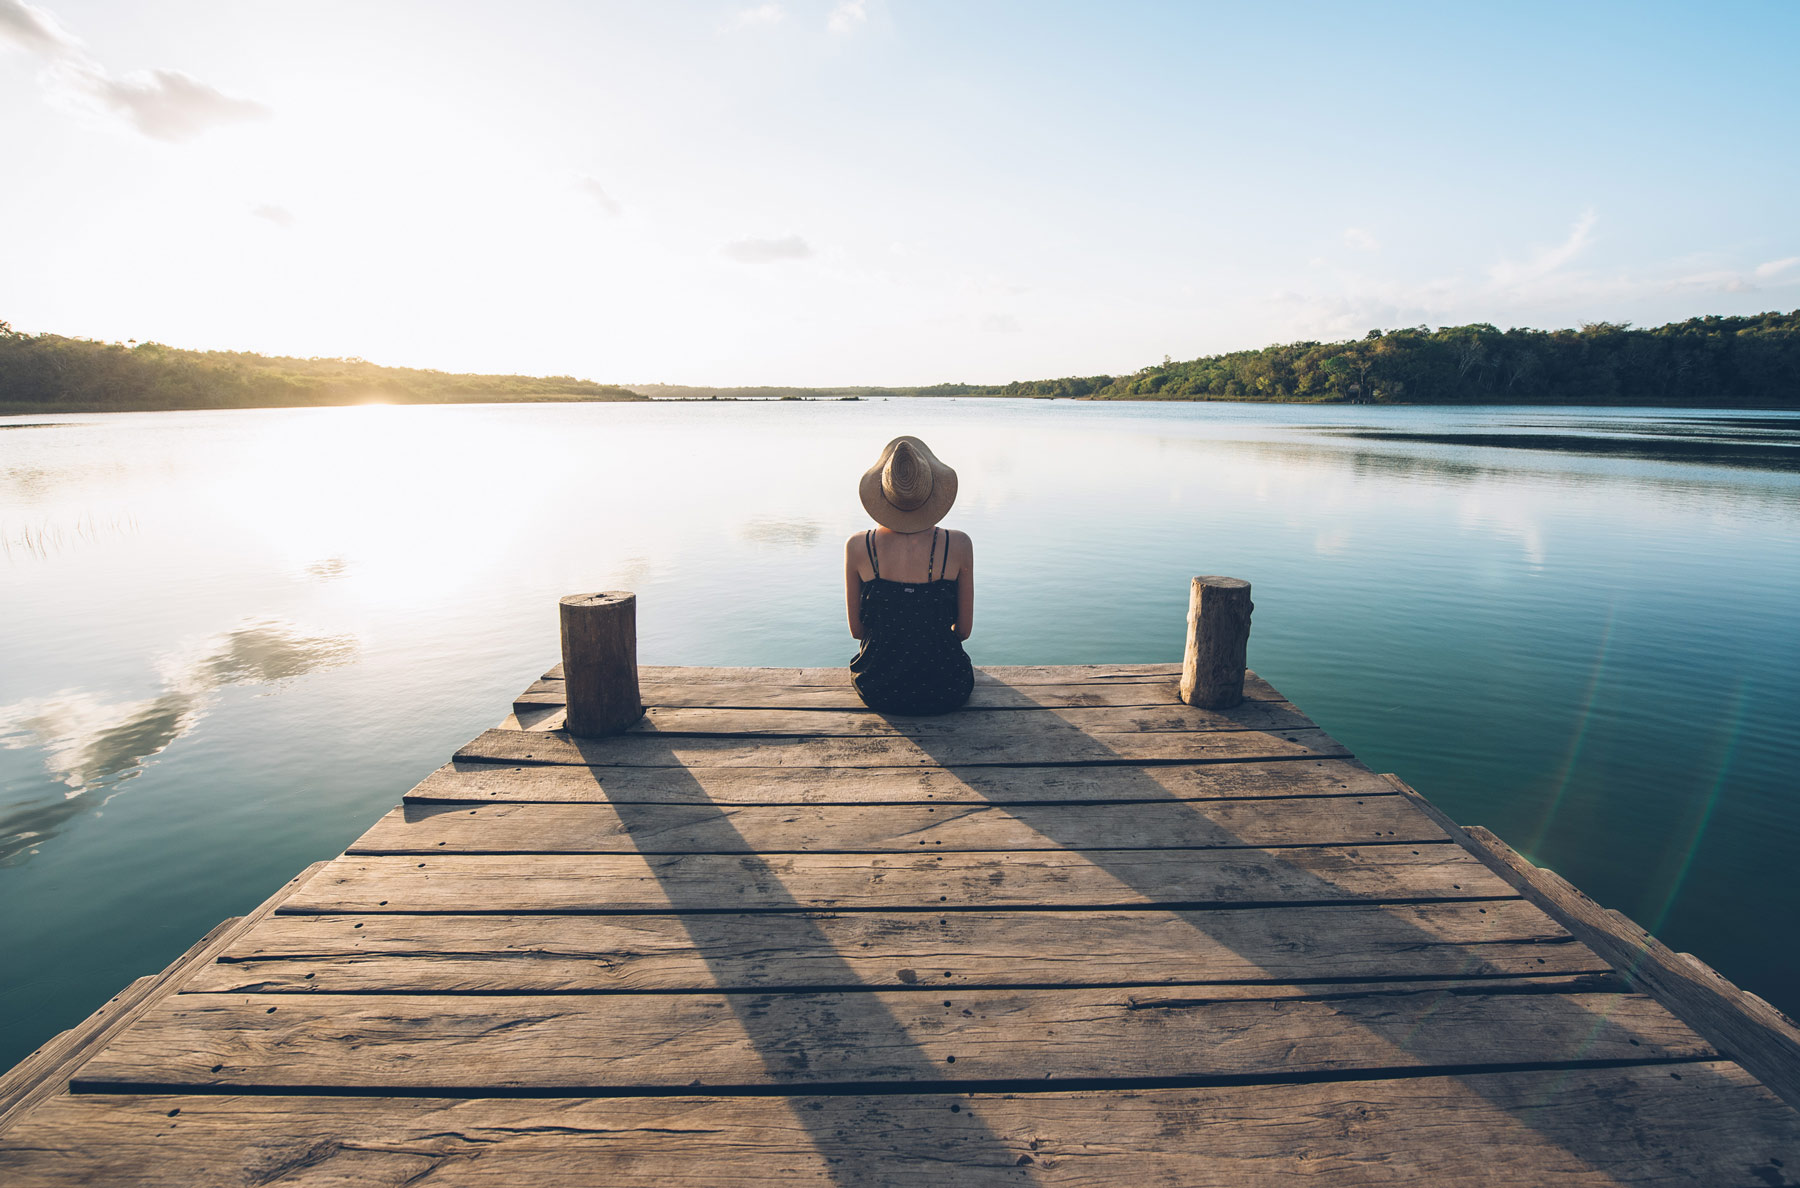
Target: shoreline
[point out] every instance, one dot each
(35, 409)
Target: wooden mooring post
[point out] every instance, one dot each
(599, 649)
(1218, 638)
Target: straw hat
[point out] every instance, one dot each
(908, 489)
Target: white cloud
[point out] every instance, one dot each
(762, 251)
(281, 216)
(1509, 274)
(162, 104)
(1718, 280)
(167, 104)
(1775, 268)
(1001, 323)
(762, 14)
(30, 28)
(605, 201)
(847, 16)
(1361, 240)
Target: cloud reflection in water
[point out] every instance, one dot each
(90, 744)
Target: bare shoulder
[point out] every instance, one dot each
(854, 541)
(960, 544)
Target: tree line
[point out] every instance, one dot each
(1718, 361)
(50, 373)
(1721, 361)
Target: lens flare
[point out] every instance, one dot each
(1734, 730)
(1581, 729)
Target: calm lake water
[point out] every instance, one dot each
(232, 640)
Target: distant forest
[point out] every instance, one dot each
(701, 392)
(1713, 361)
(1723, 361)
(42, 373)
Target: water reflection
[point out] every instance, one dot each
(790, 533)
(1712, 450)
(90, 744)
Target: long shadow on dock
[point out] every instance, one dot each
(1576, 1012)
(787, 1036)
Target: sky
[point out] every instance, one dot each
(828, 192)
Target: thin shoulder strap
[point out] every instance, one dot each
(931, 565)
(874, 561)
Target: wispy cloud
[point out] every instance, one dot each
(168, 104)
(1775, 268)
(30, 28)
(847, 16)
(760, 15)
(1360, 239)
(1001, 323)
(1548, 278)
(605, 201)
(763, 251)
(281, 216)
(162, 104)
(1509, 273)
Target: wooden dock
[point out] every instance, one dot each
(1079, 933)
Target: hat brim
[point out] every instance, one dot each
(936, 505)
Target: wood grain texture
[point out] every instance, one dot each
(1696, 1124)
(1012, 674)
(988, 694)
(414, 954)
(708, 828)
(1754, 1032)
(1046, 721)
(47, 1072)
(481, 782)
(882, 1037)
(772, 892)
(599, 649)
(934, 748)
(1122, 878)
(1764, 1040)
(41, 1065)
(1218, 633)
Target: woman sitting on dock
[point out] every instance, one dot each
(909, 587)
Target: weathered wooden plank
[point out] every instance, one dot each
(55, 1053)
(769, 829)
(1049, 723)
(1758, 1036)
(988, 694)
(1704, 1123)
(535, 717)
(417, 954)
(1116, 878)
(46, 1072)
(1064, 745)
(479, 782)
(1016, 674)
(880, 1037)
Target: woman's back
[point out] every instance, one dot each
(911, 661)
(909, 587)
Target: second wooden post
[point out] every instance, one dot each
(1218, 639)
(599, 648)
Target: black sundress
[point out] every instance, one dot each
(911, 661)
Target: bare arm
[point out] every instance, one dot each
(853, 584)
(965, 586)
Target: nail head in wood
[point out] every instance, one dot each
(599, 649)
(1218, 639)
